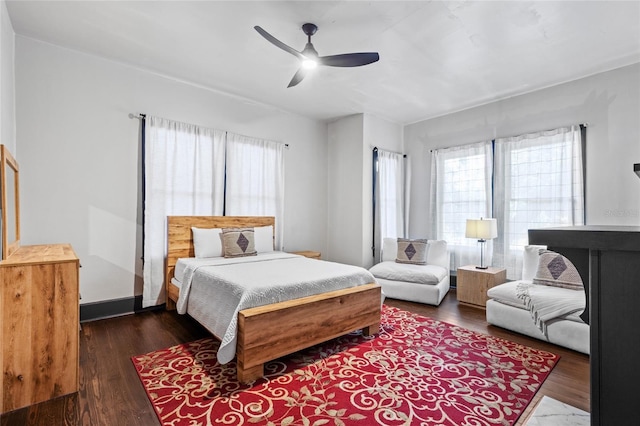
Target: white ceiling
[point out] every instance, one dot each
(436, 57)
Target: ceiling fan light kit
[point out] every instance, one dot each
(309, 57)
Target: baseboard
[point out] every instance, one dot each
(113, 308)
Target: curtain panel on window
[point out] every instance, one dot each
(392, 176)
(538, 183)
(184, 175)
(461, 179)
(255, 180)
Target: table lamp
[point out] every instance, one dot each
(483, 230)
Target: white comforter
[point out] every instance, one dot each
(215, 290)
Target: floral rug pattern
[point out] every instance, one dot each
(416, 371)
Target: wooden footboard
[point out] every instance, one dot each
(269, 332)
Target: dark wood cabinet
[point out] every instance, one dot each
(608, 259)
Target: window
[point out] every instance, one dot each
(460, 190)
(184, 175)
(538, 184)
(192, 170)
(537, 181)
(391, 174)
(255, 179)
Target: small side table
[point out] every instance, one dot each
(308, 253)
(473, 283)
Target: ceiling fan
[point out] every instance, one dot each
(309, 58)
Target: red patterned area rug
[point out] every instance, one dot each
(416, 371)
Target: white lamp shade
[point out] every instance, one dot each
(482, 229)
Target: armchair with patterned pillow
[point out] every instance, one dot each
(545, 303)
(413, 270)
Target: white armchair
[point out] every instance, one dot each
(507, 309)
(415, 283)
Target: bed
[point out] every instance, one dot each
(260, 335)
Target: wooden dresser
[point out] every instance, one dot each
(40, 325)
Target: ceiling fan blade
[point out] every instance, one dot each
(349, 59)
(297, 78)
(278, 43)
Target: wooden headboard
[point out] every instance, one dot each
(180, 237)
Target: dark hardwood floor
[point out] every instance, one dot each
(111, 393)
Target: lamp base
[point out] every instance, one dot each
(482, 267)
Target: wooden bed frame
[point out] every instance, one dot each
(269, 332)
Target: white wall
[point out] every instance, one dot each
(344, 231)
(609, 102)
(79, 158)
(7, 83)
(351, 141)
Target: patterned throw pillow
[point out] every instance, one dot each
(412, 251)
(238, 242)
(556, 270)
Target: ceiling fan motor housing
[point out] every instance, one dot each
(309, 29)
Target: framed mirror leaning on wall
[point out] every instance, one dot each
(9, 203)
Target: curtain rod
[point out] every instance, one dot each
(375, 149)
(141, 116)
(286, 145)
(585, 125)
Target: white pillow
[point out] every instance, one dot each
(437, 253)
(389, 249)
(530, 262)
(207, 242)
(264, 238)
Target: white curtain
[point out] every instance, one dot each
(538, 183)
(461, 189)
(255, 180)
(392, 198)
(184, 175)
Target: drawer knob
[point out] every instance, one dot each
(20, 377)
